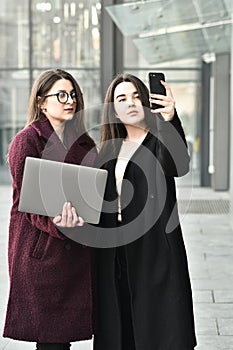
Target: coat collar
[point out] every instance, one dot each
(54, 148)
(45, 130)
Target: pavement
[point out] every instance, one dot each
(208, 237)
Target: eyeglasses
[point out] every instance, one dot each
(63, 96)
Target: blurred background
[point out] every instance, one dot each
(189, 40)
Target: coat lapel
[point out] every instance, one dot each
(53, 147)
(76, 149)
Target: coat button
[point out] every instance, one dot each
(67, 246)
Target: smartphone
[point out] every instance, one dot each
(156, 86)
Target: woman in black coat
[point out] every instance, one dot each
(144, 292)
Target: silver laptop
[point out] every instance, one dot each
(47, 185)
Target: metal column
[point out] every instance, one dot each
(111, 48)
(221, 73)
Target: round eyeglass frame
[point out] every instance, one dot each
(58, 94)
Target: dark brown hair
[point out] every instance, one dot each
(41, 87)
(113, 128)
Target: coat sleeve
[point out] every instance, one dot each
(172, 147)
(22, 146)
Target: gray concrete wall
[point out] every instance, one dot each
(231, 133)
(221, 151)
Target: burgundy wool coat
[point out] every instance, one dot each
(51, 285)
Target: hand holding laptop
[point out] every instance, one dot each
(68, 217)
(47, 185)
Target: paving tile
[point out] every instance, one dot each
(82, 345)
(197, 273)
(206, 326)
(226, 282)
(211, 342)
(208, 310)
(203, 296)
(225, 326)
(9, 344)
(3, 343)
(223, 296)
(19, 345)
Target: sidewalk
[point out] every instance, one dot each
(209, 243)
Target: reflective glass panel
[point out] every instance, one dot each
(185, 44)
(14, 34)
(141, 17)
(66, 33)
(36, 35)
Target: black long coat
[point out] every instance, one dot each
(161, 298)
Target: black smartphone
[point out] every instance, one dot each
(156, 87)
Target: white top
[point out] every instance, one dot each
(127, 150)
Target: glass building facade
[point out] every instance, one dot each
(36, 35)
(93, 41)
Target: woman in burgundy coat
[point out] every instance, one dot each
(51, 286)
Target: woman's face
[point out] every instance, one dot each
(128, 105)
(58, 112)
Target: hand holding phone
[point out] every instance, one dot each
(156, 87)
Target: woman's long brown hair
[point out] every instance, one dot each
(41, 87)
(112, 128)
